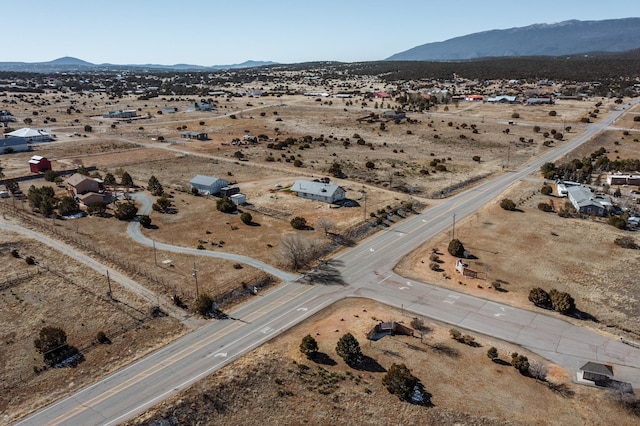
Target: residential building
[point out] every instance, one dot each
(32, 135)
(14, 144)
(326, 192)
(207, 185)
(130, 113)
(587, 202)
(80, 184)
(201, 136)
(85, 189)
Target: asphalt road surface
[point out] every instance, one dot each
(364, 271)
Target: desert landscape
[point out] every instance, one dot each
(389, 168)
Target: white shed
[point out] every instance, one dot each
(239, 199)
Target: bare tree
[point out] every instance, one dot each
(326, 224)
(296, 250)
(538, 370)
(418, 325)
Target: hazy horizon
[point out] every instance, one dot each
(206, 33)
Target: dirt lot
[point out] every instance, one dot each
(278, 383)
(73, 297)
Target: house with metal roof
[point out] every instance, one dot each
(207, 185)
(321, 191)
(587, 202)
(32, 135)
(14, 144)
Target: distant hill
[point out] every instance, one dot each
(563, 38)
(68, 63)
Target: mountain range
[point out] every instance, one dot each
(68, 64)
(559, 39)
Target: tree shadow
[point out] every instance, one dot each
(69, 356)
(585, 316)
(366, 363)
(445, 350)
(425, 397)
(326, 273)
(501, 362)
(321, 358)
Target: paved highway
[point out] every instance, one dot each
(367, 268)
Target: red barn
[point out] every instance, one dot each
(39, 164)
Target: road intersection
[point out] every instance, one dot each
(367, 269)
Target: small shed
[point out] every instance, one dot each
(388, 328)
(238, 199)
(208, 185)
(595, 372)
(39, 164)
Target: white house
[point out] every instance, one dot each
(32, 135)
(327, 192)
(207, 185)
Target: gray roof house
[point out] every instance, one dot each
(327, 192)
(14, 144)
(586, 202)
(595, 372)
(207, 185)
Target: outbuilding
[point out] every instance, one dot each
(207, 185)
(239, 199)
(39, 164)
(599, 374)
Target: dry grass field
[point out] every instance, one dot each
(573, 255)
(73, 297)
(278, 383)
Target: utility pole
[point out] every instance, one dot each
(364, 196)
(194, 274)
(508, 154)
(155, 258)
(109, 293)
(453, 229)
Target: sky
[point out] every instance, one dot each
(214, 32)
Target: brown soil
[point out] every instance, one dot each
(278, 383)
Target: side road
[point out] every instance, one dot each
(114, 275)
